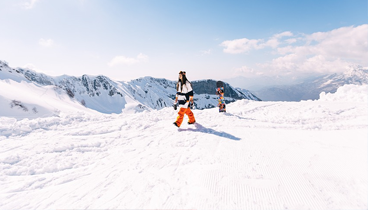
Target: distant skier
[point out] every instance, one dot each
(184, 99)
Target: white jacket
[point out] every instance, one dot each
(183, 95)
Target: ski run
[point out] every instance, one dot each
(258, 155)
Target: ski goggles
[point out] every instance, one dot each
(182, 72)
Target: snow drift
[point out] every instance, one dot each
(347, 93)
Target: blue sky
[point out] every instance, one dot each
(127, 39)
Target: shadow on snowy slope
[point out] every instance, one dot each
(202, 129)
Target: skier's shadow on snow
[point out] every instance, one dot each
(202, 129)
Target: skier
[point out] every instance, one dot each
(184, 99)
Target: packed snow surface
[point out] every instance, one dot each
(259, 155)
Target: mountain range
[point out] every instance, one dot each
(105, 95)
(311, 89)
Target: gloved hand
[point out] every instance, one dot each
(175, 105)
(191, 104)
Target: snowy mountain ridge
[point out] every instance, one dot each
(310, 90)
(102, 94)
(355, 76)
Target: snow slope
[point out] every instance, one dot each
(21, 98)
(28, 100)
(259, 155)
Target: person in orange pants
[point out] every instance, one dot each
(184, 99)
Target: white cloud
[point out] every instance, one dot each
(117, 60)
(275, 40)
(291, 41)
(237, 46)
(321, 52)
(206, 52)
(46, 42)
(142, 57)
(346, 42)
(247, 71)
(272, 42)
(280, 35)
(332, 51)
(29, 4)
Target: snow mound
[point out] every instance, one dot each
(347, 93)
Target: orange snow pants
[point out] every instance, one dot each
(181, 113)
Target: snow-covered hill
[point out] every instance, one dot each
(22, 98)
(259, 155)
(104, 95)
(312, 89)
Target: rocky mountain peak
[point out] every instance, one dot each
(105, 95)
